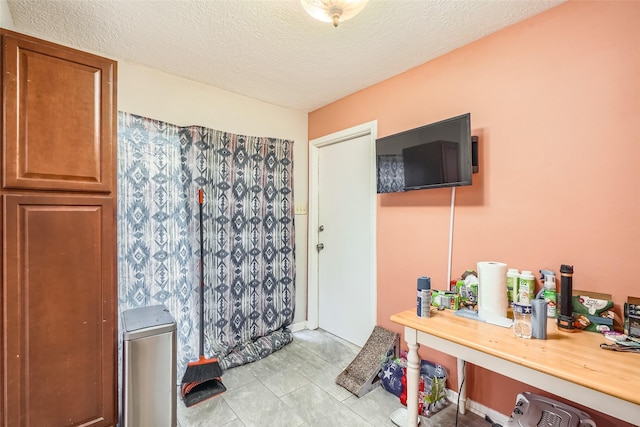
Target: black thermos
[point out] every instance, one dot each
(565, 318)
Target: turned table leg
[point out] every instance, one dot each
(462, 387)
(413, 376)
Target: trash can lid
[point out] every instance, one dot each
(144, 321)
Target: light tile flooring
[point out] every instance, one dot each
(295, 386)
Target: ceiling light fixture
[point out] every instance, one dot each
(333, 10)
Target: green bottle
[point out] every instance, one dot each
(550, 295)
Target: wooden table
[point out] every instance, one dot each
(571, 365)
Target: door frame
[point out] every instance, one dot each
(371, 129)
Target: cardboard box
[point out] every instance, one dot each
(632, 317)
(593, 311)
(445, 299)
(468, 295)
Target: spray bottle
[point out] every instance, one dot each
(550, 296)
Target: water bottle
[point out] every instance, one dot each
(565, 318)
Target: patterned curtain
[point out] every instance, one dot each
(390, 173)
(248, 257)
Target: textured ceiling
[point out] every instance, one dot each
(271, 50)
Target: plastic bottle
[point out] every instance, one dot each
(512, 285)
(526, 287)
(424, 296)
(550, 295)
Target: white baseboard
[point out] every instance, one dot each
(478, 409)
(295, 327)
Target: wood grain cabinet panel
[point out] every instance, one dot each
(61, 305)
(59, 114)
(58, 302)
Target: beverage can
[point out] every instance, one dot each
(423, 308)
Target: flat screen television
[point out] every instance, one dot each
(431, 156)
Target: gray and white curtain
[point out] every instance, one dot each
(389, 173)
(249, 265)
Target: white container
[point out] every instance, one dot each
(526, 287)
(512, 285)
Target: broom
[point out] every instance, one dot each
(201, 380)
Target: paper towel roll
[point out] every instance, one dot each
(492, 291)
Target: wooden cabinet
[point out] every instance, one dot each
(58, 227)
(59, 332)
(59, 117)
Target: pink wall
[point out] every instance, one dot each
(555, 101)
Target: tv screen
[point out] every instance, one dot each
(431, 156)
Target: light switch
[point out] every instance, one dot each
(300, 209)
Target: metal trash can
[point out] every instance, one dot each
(149, 368)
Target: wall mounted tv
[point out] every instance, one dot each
(431, 156)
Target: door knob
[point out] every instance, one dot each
(320, 246)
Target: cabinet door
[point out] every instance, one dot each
(59, 299)
(59, 109)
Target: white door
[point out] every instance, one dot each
(343, 224)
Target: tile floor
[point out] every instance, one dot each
(296, 387)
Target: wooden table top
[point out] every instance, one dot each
(575, 357)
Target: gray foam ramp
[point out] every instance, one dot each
(361, 376)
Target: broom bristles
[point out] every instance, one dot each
(202, 370)
(203, 360)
